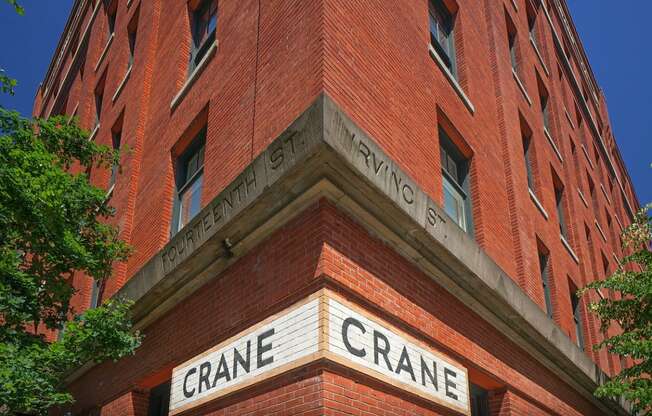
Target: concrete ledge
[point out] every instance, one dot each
(325, 155)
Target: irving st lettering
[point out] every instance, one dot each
(400, 187)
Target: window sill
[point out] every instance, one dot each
(73, 113)
(586, 154)
(586, 204)
(536, 50)
(94, 132)
(552, 143)
(109, 193)
(451, 79)
(604, 192)
(597, 225)
(194, 76)
(568, 117)
(537, 203)
(122, 84)
(104, 52)
(569, 249)
(521, 87)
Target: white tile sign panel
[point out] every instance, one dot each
(371, 345)
(321, 326)
(252, 353)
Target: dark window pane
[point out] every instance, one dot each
(204, 25)
(159, 400)
(479, 401)
(543, 264)
(442, 33)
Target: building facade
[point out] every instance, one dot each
(347, 207)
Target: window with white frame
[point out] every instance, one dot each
(455, 178)
(442, 34)
(189, 182)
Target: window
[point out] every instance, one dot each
(116, 165)
(442, 34)
(594, 197)
(455, 172)
(532, 21)
(204, 25)
(559, 203)
(511, 41)
(132, 30)
(159, 400)
(527, 155)
(545, 280)
(577, 317)
(545, 104)
(99, 96)
(96, 293)
(479, 401)
(111, 11)
(189, 181)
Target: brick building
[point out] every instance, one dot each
(347, 207)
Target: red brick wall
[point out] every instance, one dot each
(272, 60)
(339, 253)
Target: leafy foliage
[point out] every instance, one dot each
(19, 9)
(6, 84)
(52, 226)
(632, 312)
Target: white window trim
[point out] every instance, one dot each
(537, 203)
(109, 192)
(552, 143)
(604, 192)
(602, 234)
(460, 200)
(104, 52)
(569, 249)
(122, 84)
(568, 117)
(74, 110)
(94, 132)
(536, 50)
(586, 204)
(521, 87)
(586, 154)
(451, 79)
(194, 76)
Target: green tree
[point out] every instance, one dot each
(632, 314)
(53, 225)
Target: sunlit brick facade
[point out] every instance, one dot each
(445, 167)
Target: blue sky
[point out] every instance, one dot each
(616, 40)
